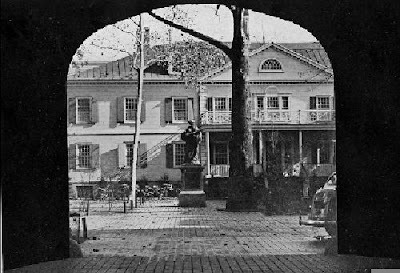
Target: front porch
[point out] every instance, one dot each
(289, 153)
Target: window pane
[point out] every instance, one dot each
(260, 102)
(83, 107)
(129, 154)
(221, 153)
(323, 102)
(180, 109)
(271, 65)
(273, 103)
(130, 109)
(179, 154)
(220, 104)
(285, 102)
(84, 156)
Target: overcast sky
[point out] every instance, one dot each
(203, 18)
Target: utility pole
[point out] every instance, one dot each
(136, 137)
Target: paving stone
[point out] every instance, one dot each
(156, 238)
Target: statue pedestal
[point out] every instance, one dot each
(192, 193)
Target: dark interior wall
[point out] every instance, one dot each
(39, 38)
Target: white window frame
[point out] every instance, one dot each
(318, 105)
(125, 120)
(280, 102)
(173, 110)
(227, 106)
(260, 69)
(174, 153)
(77, 110)
(78, 166)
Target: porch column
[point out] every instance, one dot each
(260, 147)
(300, 146)
(332, 152)
(208, 153)
(283, 152)
(264, 148)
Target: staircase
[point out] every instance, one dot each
(154, 151)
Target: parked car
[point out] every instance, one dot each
(323, 209)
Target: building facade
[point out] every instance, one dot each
(293, 118)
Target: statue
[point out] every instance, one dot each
(192, 137)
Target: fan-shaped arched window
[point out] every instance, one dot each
(270, 65)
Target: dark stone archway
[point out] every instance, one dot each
(40, 37)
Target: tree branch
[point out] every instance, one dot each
(227, 50)
(124, 30)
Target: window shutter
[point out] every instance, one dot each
(190, 113)
(209, 104)
(120, 109)
(332, 103)
(72, 110)
(142, 156)
(168, 110)
(95, 153)
(313, 103)
(230, 104)
(72, 156)
(143, 112)
(169, 155)
(94, 113)
(121, 155)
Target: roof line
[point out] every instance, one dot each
(277, 46)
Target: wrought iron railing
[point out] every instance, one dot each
(272, 116)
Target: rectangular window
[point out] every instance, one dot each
(273, 102)
(179, 109)
(130, 107)
(323, 102)
(84, 156)
(221, 153)
(129, 154)
(83, 110)
(220, 104)
(260, 103)
(285, 103)
(179, 154)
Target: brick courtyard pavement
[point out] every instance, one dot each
(161, 237)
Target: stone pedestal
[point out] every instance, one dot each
(192, 193)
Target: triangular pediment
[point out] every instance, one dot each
(295, 66)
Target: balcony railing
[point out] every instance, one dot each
(272, 116)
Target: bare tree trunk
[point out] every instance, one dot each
(240, 184)
(138, 112)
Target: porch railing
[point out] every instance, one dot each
(312, 169)
(272, 116)
(219, 170)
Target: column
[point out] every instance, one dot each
(301, 146)
(260, 147)
(208, 153)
